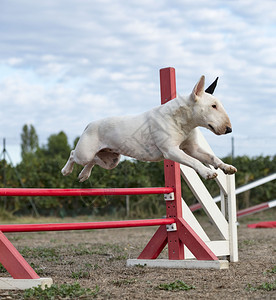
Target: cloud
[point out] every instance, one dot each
(65, 63)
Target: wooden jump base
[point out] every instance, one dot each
(185, 238)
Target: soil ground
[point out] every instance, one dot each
(97, 260)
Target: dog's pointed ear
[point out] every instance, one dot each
(210, 89)
(199, 88)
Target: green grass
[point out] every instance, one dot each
(80, 274)
(38, 269)
(2, 269)
(64, 291)
(271, 271)
(122, 282)
(6, 216)
(177, 285)
(265, 286)
(50, 254)
(115, 252)
(246, 243)
(84, 272)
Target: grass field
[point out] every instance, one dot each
(92, 264)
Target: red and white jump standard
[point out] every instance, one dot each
(183, 235)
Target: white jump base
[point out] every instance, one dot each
(23, 284)
(179, 264)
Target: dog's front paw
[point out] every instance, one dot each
(228, 169)
(209, 174)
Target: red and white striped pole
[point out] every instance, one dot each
(256, 208)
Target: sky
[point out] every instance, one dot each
(66, 63)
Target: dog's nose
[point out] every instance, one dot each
(228, 130)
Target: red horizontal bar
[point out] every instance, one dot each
(196, 206)
(84, 226)
(83, 192)
(240, 213)
(253, 209)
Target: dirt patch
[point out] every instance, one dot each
(98, 259)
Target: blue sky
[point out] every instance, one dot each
(66, 63)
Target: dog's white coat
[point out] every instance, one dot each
(168, 131)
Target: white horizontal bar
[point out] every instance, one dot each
(272, 203)
(251, 185)
(219, 248)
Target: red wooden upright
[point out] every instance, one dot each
(13, 261)
(183, 233)
(172, 171)
(172, 179)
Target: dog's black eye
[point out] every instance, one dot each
(214, 106)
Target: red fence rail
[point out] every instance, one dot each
(256, 208)
(84, 226)
(83, 192)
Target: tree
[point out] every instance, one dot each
(58, 145)
(29, 140)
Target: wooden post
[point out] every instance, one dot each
(182, 234)
(13, 261)
(232, 218)
(172, 171)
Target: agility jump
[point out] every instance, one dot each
(185, 237)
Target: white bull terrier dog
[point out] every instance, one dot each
(164, 132)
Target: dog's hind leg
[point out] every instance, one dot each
(68, 168)
(106, 160)
(86, 171)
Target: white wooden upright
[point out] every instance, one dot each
(224, 219)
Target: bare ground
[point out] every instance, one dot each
(98, 259)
